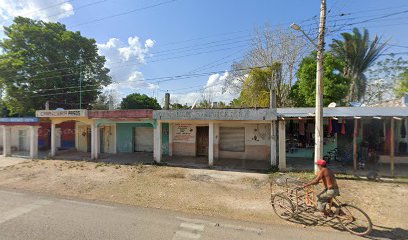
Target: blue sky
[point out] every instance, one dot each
(156, 40)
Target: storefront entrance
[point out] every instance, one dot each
(202, 141)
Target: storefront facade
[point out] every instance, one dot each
(216, 134)
(19, 135)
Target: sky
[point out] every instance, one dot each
(147, 42)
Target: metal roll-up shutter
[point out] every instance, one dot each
(232, 139)
(143, 139)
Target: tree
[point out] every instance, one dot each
(359, 53)
(139, 101)
(384, 79)
(256, 88)
(179, 106)
(270, 46)
(402, 86)
(335, 84)
(42, 61)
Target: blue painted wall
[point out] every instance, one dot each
(124, 135)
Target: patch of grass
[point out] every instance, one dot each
(176, 175)
(103, 170)
(99, 165)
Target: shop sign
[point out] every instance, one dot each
(184, 133)
(61, 113)
(19, 120)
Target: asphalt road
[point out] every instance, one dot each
(25, 215)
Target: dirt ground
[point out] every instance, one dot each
(236, 195)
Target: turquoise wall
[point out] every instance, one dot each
(124, 135)
(165, 139)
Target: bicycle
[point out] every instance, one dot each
(331, 155)
(290, 203)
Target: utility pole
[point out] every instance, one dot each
(272, 106)
(319, 86)
(80, 79)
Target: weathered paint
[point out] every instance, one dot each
(165, 138)
(121, 114)
(83, 132)
(125, 136)
(257, 141)
(67, 134)
(216, 114)
(73, 113)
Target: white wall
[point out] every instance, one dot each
(15, 138)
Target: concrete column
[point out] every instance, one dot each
(33, 142)
(53, 142)
(216, 141)
(211, 144)
(170, 139)
(355, 155)
(93, 141)
(273, 144)
(114, 138)
(6, 141)
(282, 145)
(392, 146)
(157, 142)
(97, 141)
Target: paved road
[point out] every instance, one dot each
(31, 216)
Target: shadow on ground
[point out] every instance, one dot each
(379, 232)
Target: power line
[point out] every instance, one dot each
(162, 51)
(124, 13)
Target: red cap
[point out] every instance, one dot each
(321, 162)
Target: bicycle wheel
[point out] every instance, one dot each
(282, 206)
(354, 220)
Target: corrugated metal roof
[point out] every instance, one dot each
(346, 112)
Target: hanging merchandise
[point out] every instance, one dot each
(336, 126)
(302, 127)
(403, 130)
(343, 127)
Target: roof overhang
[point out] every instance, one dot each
(345, 112)
(217, 114)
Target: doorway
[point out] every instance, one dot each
(102, 140)
(88, 139)
(202, 141)
(22, 140)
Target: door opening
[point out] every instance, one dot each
(202, 141)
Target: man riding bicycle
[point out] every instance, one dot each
(331, 189)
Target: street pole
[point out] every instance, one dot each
(80, 86)
(80, 78)
(319, 87)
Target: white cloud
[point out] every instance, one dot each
(47, 10)
(213, 90)
(149, 43)
(124, 61)
(135, 49)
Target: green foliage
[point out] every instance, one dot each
(256, 88)
(358, 53)
(179, 106)
(139, 101)
(335, 85)
(402, 86)
(41, 59)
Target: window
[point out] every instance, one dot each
(232, 139)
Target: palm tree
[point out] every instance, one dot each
(358, 53)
